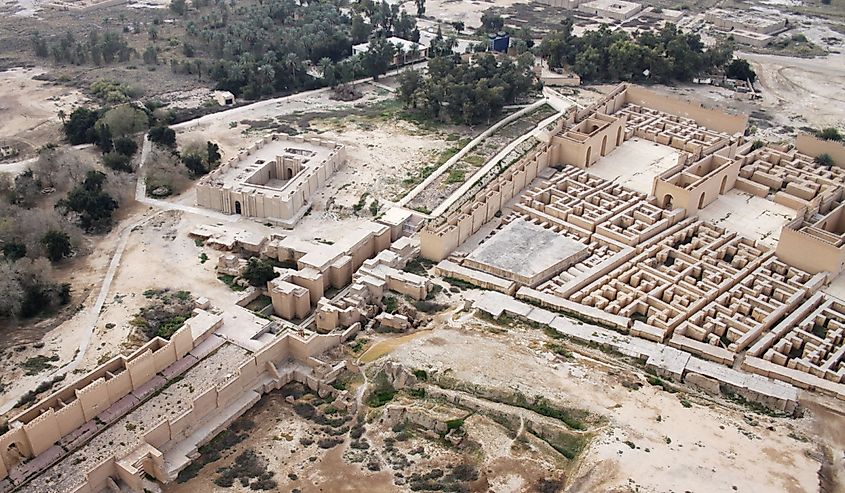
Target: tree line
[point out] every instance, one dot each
(612, 55)
(466, 91)
(255, 49)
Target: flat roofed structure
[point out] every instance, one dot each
(526, 252)
(745, 20)
(274, 179)
(406, 51)
(613, 9)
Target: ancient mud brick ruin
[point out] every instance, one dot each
(274, 179)
(645, 264)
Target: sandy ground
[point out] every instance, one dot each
(676, 448)
(29, 109)
(635, 163)
(233, 129)
(803, 91)
(279, 435)
(753, 217)
(381, 153)
(451, 11)
(176, 266)
(380, 157)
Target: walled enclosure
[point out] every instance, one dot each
(647, 267)
(273, 179)
(580, 138)
(204, 385)
(41, 427)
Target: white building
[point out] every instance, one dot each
(404, 50)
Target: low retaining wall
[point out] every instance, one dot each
(658, 358)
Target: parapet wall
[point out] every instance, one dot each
(440, 239)
(814, 146)
(41, 426)
(221, 400)
(713, 119)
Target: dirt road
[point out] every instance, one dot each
(809, 90)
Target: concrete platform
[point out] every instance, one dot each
(526, 253)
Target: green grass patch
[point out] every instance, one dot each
(382, 393)
(659, 382)
(391, 304)
(456, 175)
(459, 283)
(474, 160)
(229, 280)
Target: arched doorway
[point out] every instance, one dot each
(288, 173)
(237, 207)
(587, 161)
(701, 201)
(619, 136)
(724, 184)
(604, 146)
(667, 201)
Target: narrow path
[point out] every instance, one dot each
(89, 315)
(494, 161)
(466, 149)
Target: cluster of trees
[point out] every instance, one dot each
(171, 169)
(101, 126)
(110, 47)
(267, 47)
(605, 54)
(27, 288)
(110, 129)
(275, 59)
(91, 206)
(256, 49)
(37, 230)
(259, 272)
(200, 159)
(740, 69)
(466, 92)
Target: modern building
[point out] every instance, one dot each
(612, 9)
(406, 51)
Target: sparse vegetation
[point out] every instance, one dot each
(38, 364)
(830, 133)
(165, 314)
(382, 392)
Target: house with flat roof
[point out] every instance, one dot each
(406, 51)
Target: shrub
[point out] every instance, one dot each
(162, 135)
(94, 206)
(14, 251)
(824, 160)
(258, 272)
(829, 133)
(125, 145)
(117, 161)
(57, 244)
(79, 127)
